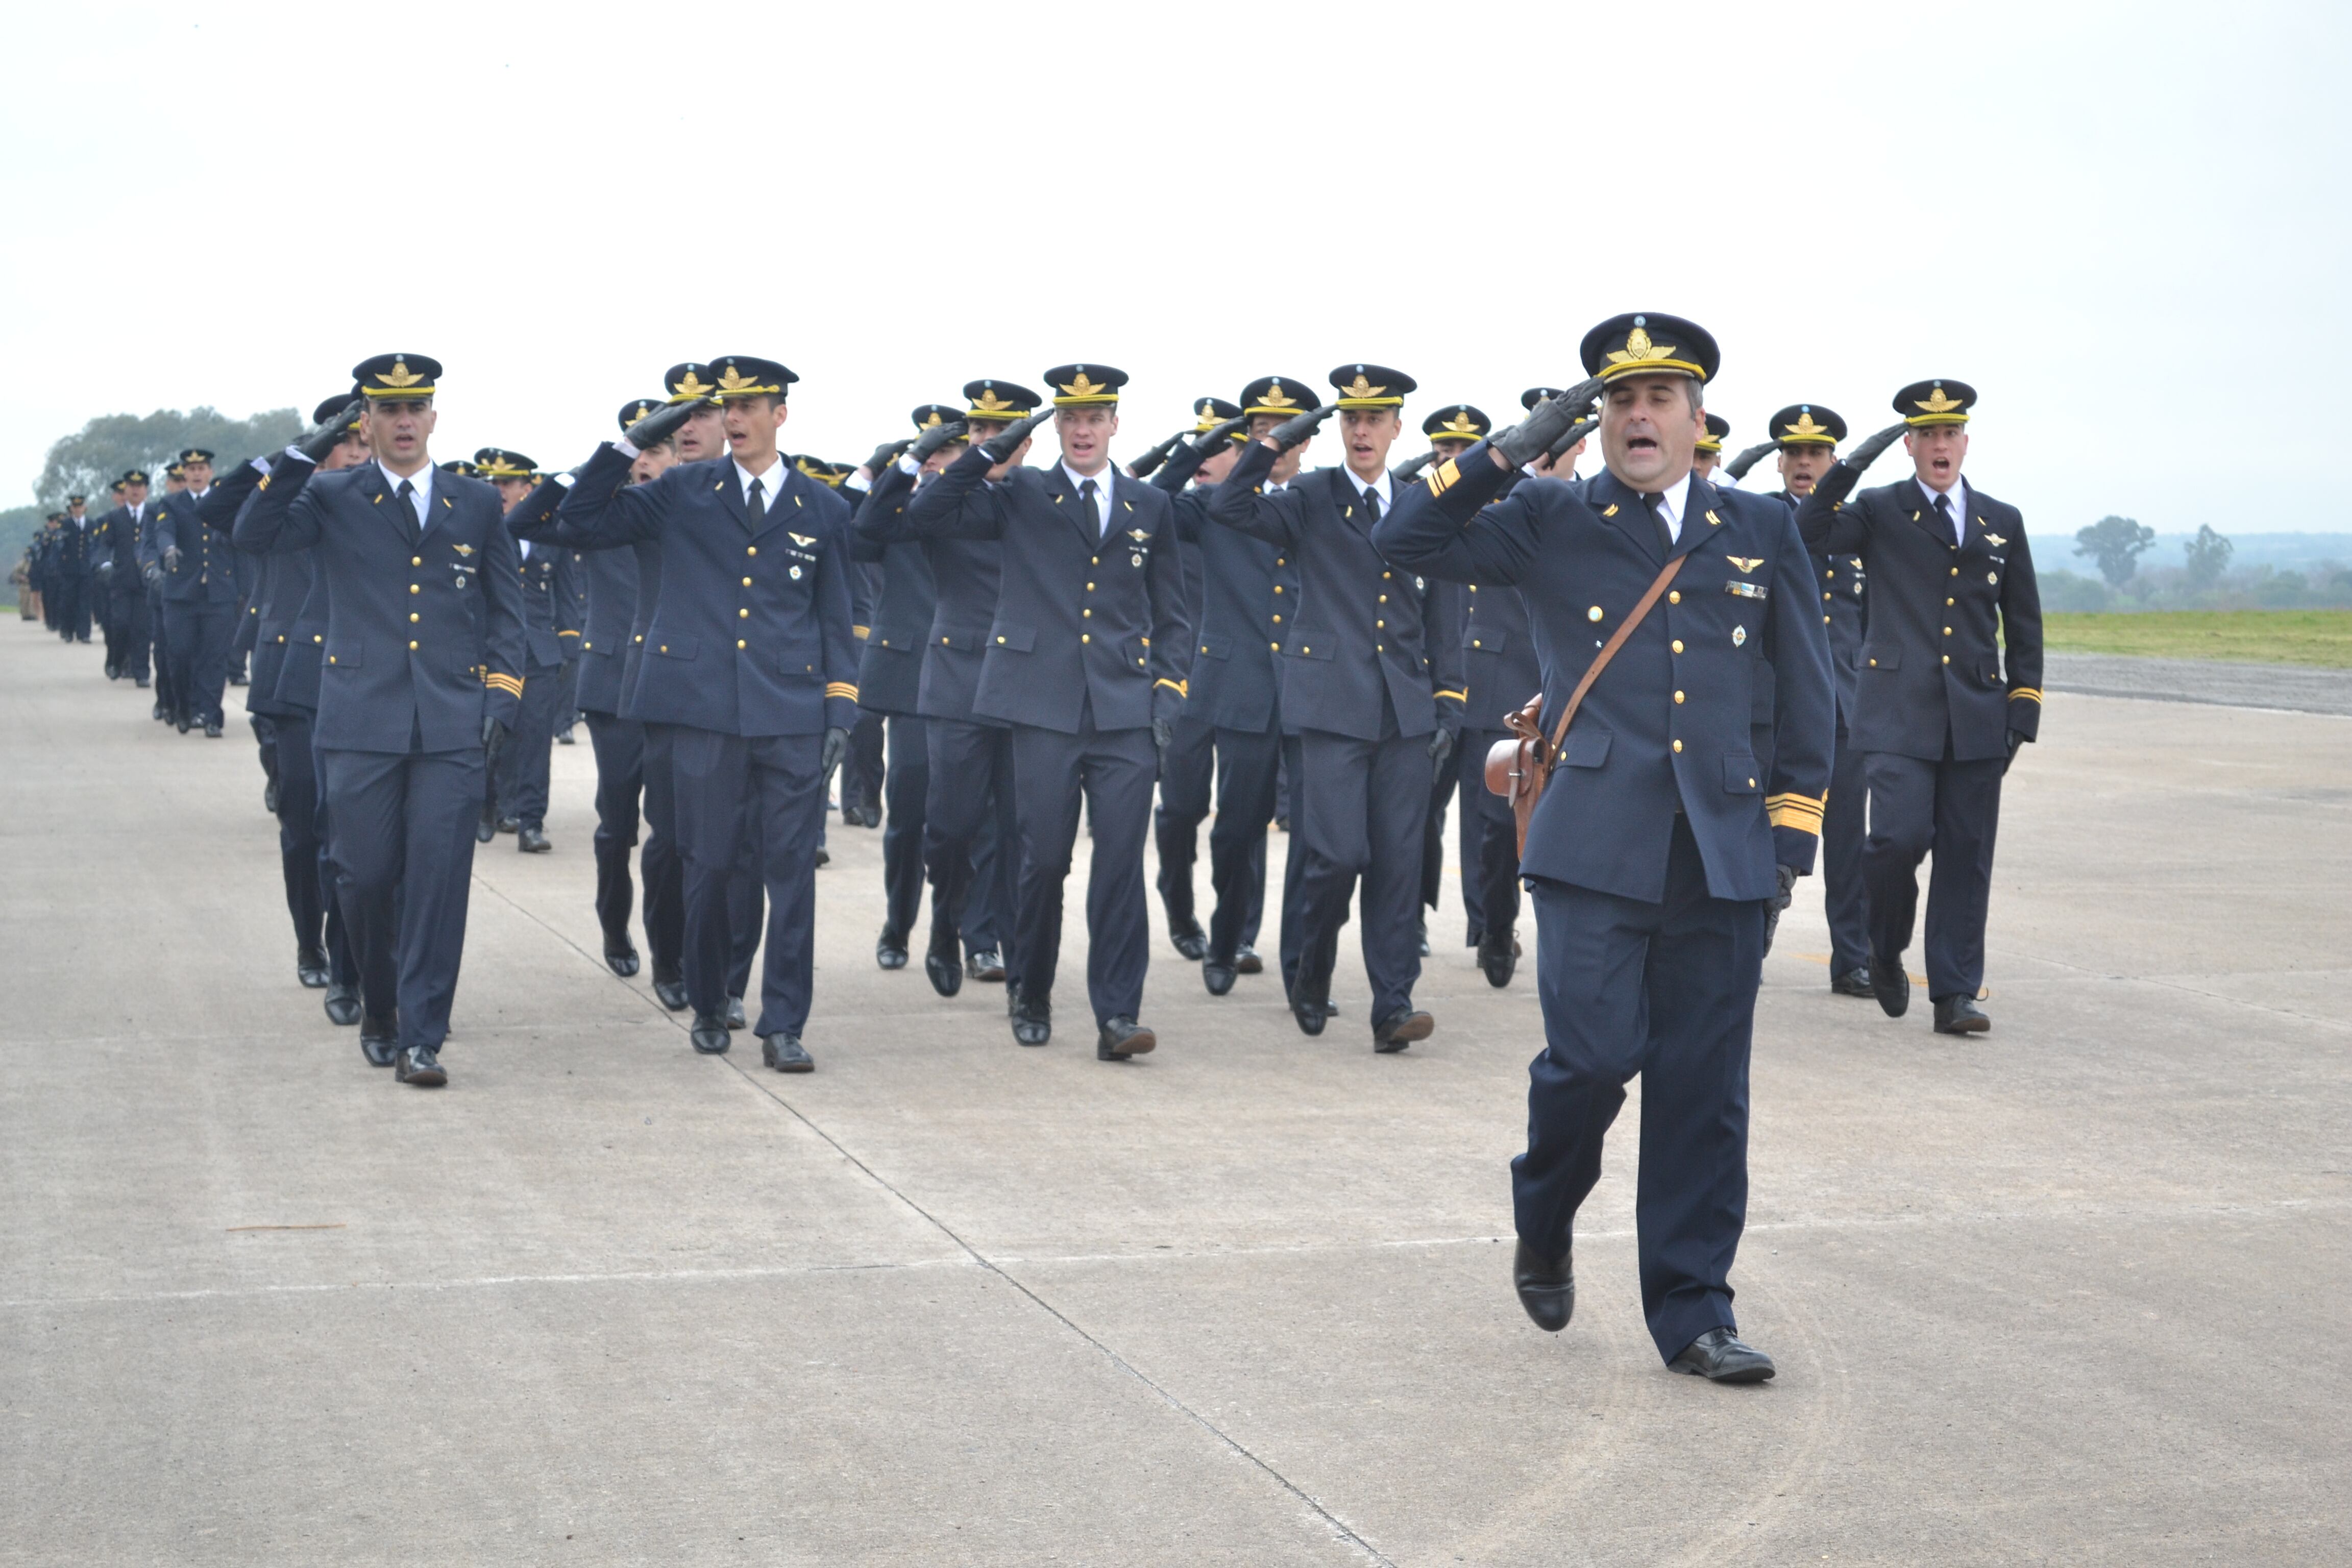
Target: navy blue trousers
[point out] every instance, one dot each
(128, 631)
(1361, 809)
(525, 760)
(1666, 990)
(72, 597)
(972, 836)
(664, 871)
(906, 785)
(863, 771)
(198, 631)
(297, 834)
(1953, 808)
(620, 746)
(1248, 762)
(401, 833)
(1489, 842)
(1185, 778)
(1844, 898)
(1112, 771)
(169, 680)
(767, 793)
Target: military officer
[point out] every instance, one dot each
(1086, 660)
(750, 665)
(1805, 437)
(423, 651)
(971, 836)
(69, 574)
(200, 596)
(1444, 608)
(1361, 681)
(1940, 713)
(1709, 453)
(520, 783)
(45, 544)
(1188, 770)
(1661, 842)
(125, 591)
(168, 682)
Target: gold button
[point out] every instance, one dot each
(1955, 571)
(665, 648)
(641, 636)
(1825, 599)
(1678, 697)
(1086, 637)
(1476, 643)
(412, 648)
(1275, 646)
(1992, 576)
(330, 658)
(742, 615)
(1874, 664)
(739, 642)
(999, 639)
(1384, 599)
(416, 561)
(1090, 587)
(1094, 560)
(411, 618)
(1474, 587)
(1947, 631)
(1947, 601)
(1085, 614)
(1825, 620)
(1678, 745)
(1674, 597)
(747, 582)
(316, 638)
(414, 589)
(1277, 587)
(1751, 784)
(1277, 620)
(1307, 651)
(1948, 659)
(750, 549)
(1678, 645)
(944, 641)
(1593, 614)
(1831, 573)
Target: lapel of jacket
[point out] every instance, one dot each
(1702, 517)
(788, 508)
(1347, 496)
(373, 483)
(1912, 497)
(1064, 497)
(1615, 503)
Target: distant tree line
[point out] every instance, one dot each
(86, 462)
(2203, 581)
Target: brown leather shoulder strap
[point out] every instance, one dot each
(1600, 660)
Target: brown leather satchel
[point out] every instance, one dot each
(1517, 769)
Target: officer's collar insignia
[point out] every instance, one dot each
(399, 376)
(1139, 533)
(1995, 539)
(1359, 387)
(1639, 349)
(803, 540)
(1715, 520)
(1084, 386)
(1746, 562)
(1460, 425)
(1805, 429)
(1277, 398)
(1610, 511)
(989, 403)
(462, 549)
(1937, 401)
(690, 386)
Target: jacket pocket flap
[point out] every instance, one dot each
(675, 647)
(1312, 644)
(1885, 658)
(1217, 647)
(1740, 775)
(343, 655)
(1019, 640)
(1585, 748)
(1484, 640)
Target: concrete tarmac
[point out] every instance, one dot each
(2065, 1293)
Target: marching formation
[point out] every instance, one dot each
(1623, 687)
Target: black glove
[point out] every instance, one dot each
(885, 455)
(106, 568)
(1737, 468)
(494, 741)
(836, 741)
(1001, 446)
(1441, 746)
(1546, 422)
(935, 436)
(1579, 431)
(2016, 739)
(172, 561)
(1146, 466)
(320, 440)
(153, 574)
(1299, 427)
(1863, 456)
(1212, 440)
(1163, 735)
(660, 425)
(1405, 473)
(1778, 902)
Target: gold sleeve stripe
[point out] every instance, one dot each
(1181, 688)
(1444, 477)
(841, 688)
(1803, 818)
(1790, 797)
(861, 632)
(1457, 696)
(567, 633)
(508, 684)
(2030, 693)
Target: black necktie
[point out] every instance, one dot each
(755, 509)
(1944, 510)
(1371, 506)
(1086, 493)
(1657, 505)
(408, 511)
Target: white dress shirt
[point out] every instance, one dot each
(1379, 486)
(769, 482)
(1102, 494)
(1672, 501)
(423, 500)
(1960, 494)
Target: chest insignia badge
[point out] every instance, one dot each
(462, 549)
(1746, 562)
(1138, 535)
(461, 579)
(1995, 539)
(796, 573)
(803, 540)
(1738, 636)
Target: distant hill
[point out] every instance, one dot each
(2280, 552)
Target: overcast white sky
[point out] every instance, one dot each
(2126, 225)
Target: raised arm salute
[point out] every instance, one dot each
(1661, 842)
(423, 667)
(1940, 713)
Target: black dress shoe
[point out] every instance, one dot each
(1891, 983)
(1120, 1039)
(890, 948)
(1189, 939)
(1310, 1014)
(710, 1035)
(180, 722)
(939, 966)
(486, 828)
(1721, 1356)
(269, 797)
(1032, 1021)
(1247, 962)
(509, 825)
(212, 730)
(1498, 960)
(343, 1005)
(141, 681)
(1399, 1029)
(823, 857)
(735, 1018)
(1855, 982)
(783, 1053)
(531, 841)
(986, 965)
(1960, 1015)
(563, 738)
(311, 969)
(420, 1066)
(1547, 1287)
(233, 680)
(379, 1040)
(159, 707)
(670, 990)
(621, 956)
(1217, 977)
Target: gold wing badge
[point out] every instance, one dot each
(1995, 539)
(1746, 562)
(462, 549)
(803, 540)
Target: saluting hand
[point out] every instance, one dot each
(1737, 468)
(325, 437)
(1299, 427)
(1002, 447)
(660, 425)
(1862, 457)
(1546, 422)
(935, 436)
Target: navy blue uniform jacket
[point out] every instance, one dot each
(751, 633)
(1667, 724)
(1931, 660)
(422, 638)
(1080, 618)
(207, 572)
(1234, 683)
(1357, 634)
(964, 577)
(891, 667)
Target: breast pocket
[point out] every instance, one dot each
(675, 647)
(1884, 658)
(1585, 748)
(1015, 639)
(1216, 647)
(343, 655)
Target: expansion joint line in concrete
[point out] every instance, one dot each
(1216, 1434)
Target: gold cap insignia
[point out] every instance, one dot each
(1084, 386)
(1277, 398)
(1746, 562)
(691, 385)
(1937, 401)
(1805, 429)
(1639, 351)
(989, 403)
(1460, 425)
(735, 383)
(399, 374)
(1359, 387)
(1208, 410)
(933, 422)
